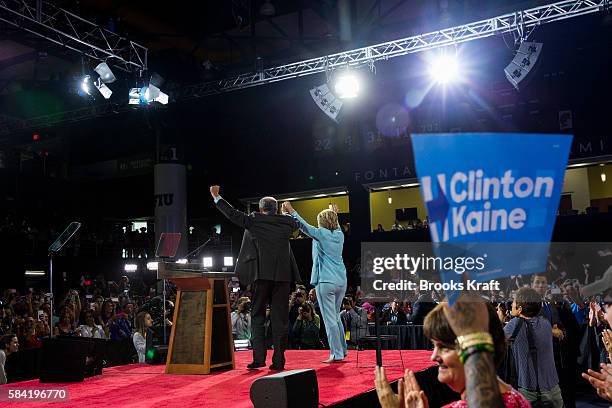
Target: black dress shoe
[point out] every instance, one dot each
(254, 365)
(275, 367)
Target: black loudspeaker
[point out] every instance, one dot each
(156, 351)
(289, 389)
(524, 63)
(63, 359)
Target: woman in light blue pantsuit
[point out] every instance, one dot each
(328, 275)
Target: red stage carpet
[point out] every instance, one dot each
(140, 385)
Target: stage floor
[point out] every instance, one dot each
(141, 385)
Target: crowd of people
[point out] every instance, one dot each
(99, 309)
(521, 345)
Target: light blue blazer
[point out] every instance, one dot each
(327, 264)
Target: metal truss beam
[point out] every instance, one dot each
(512, 22)
(73, 32)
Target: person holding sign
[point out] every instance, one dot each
(328, 274)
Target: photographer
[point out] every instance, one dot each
(241, 320)
(306, 329)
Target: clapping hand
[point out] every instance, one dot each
(602, 382)
(214, 191)
(386, 396)
(607, 340)
(334, 208)
(414, 397)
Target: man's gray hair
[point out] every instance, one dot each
(268, 205)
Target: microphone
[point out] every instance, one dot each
(198, 249)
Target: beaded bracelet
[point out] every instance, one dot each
(478, 348)
(474, 338)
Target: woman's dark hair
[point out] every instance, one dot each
(103, 311)
(305, 306)
(139, 322)
(6, 340)
(436, 327)
(85, 313)
(529, 300)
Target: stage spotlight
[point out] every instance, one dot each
(130, 267)
(228, 261)
(182, 261)
(444, 69)
(106, 75)
(152, 266)
(137, 96)
(603, 173)
(150, 93)
(207, 261)
(524, 63)
(104, 90)
(347, 86)
(326, 101)
(85, 87)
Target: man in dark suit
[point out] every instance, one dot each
(423, 305)
(266, 263)
(394, 316)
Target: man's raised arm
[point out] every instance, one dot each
(237, 217)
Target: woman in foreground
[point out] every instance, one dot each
(451, 369)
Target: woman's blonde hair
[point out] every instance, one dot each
(328, 219)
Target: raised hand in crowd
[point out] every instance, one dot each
(334, 208)
(469, 315)
(214, 191)
(602, 382)
(386, 396)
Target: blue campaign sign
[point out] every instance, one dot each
(492, 188)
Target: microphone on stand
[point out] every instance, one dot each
(198, 249)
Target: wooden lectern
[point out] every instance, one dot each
(201, 337)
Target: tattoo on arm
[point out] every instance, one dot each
(482, 388)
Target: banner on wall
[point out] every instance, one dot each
(170, 202)
(484, 189)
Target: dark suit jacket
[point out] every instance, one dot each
(401, 317)
(420, 309)
(265, 252)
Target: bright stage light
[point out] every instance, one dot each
(182, 261)
(104, 90)
(444, 69)
(34, 273)
(86, 85)
(228, 261)
(152, 266)
(147, 95)
(347, 86)
(106, 75)
(130, 267)
(207, 261)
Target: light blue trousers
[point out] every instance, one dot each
(330, 301)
